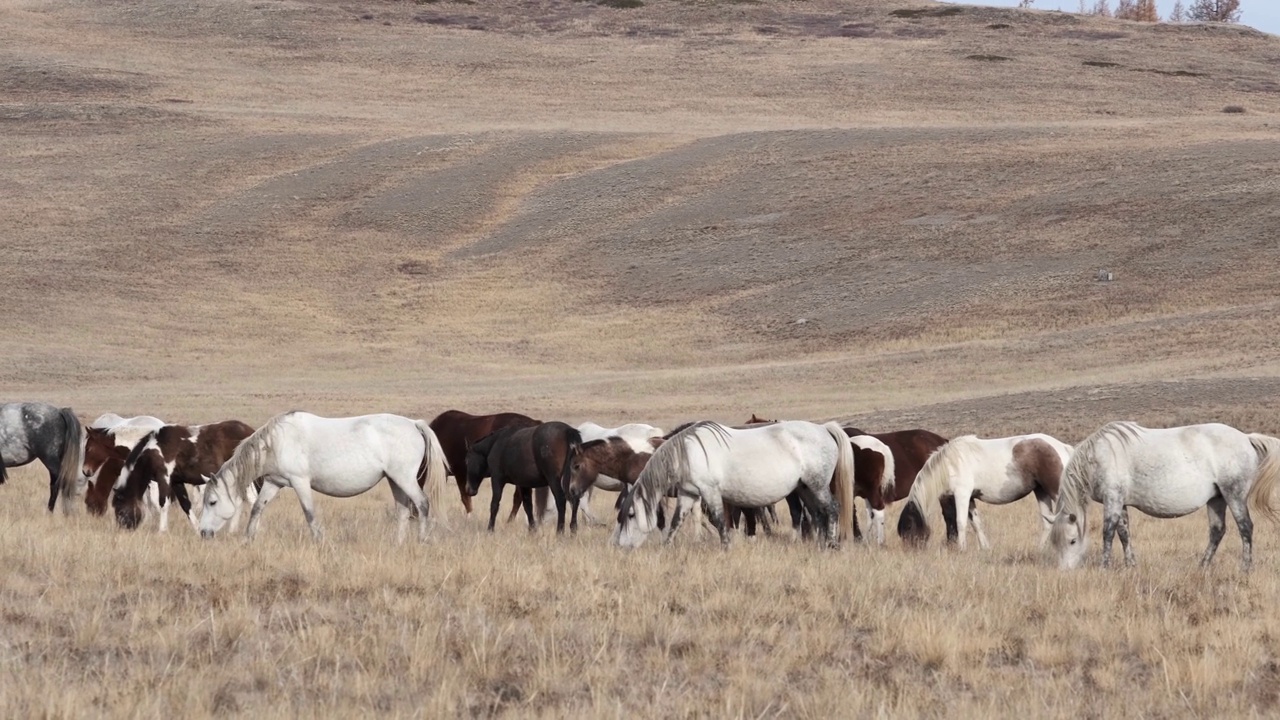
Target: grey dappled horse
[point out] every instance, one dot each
(39, 431)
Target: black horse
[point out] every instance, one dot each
(39, 431)
(531, 457)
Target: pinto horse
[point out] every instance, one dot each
(996, 471)
(456, 430)
(530, 457)
(338, 457)
(39, 431)
(173, 457)
(105, 450)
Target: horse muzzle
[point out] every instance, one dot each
(206, 534)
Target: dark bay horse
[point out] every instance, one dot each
(103, 461)
(456, 430)
(173, 457)
(39, 431)
(530, 457)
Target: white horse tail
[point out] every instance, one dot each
(434, 469)
(842, 478)
(1261, 494)
(72, 457)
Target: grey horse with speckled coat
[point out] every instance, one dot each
(39, 431)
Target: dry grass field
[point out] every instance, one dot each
(886, 212)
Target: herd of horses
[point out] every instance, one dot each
(732, 475)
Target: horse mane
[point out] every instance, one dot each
(889, 475)
(1077, 476)
(136, 451)
(246, 463)
(670, 461)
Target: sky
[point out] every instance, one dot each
(1261, 14)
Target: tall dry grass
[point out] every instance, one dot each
(97, 621)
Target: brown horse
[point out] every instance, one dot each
(530, 457)
(173, 457)
(456, 430)
(611, 456)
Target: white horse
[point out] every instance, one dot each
(339, 457)
(642, 439)
(1165, 473)
(996, 471)
(749, 468)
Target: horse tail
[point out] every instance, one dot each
(842, 478)
(72, 465)
(573, 439)
(929, 485)
(433, 471)
(1261, 495)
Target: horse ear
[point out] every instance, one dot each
(1071, 519)
(655, 442)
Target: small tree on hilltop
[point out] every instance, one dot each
(1101, 8)
(1140, 10)
(1084, 9)
(1215, 10)
(1178, 14)
(1025, 4)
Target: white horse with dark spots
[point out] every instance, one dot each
(748, 468)
(339, 457)
(996, 471)
(1165, 473)
(108, 442)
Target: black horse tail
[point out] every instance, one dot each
(72, 465)
(573, 439)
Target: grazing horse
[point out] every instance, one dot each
(531, 457)
(750, 468)
(456, 430)
(995, 471)
(39, 431)
(105, 450)
(639, 437)
(610, 457)
(910, 450)
(339, 457)
(1165, 473)
(173, 457)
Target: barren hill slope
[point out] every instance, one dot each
(817, 208)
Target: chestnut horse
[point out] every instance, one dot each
(456, 430)
(530, 457)
(173, 457)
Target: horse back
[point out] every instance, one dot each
(910, 448)
(213, 445)
(455, 429)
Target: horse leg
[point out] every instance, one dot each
(948, 505)
(978, 527)
(179, 491)
(684, 505)
(713, 506)
(796, 509)
(1045, 501)
(1240, 511)
(403, 508)
(52, 466)
(302, 488)
(557, 494)
(1217, 527)
(962, 517)
(1111, 513)
(462, 490)
(585, 502)
(525, 500)
(573, 523)
(1123, 531)
(875, 521)
(265, 495)
(496, 486)
(163, 496)
(518, 495)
